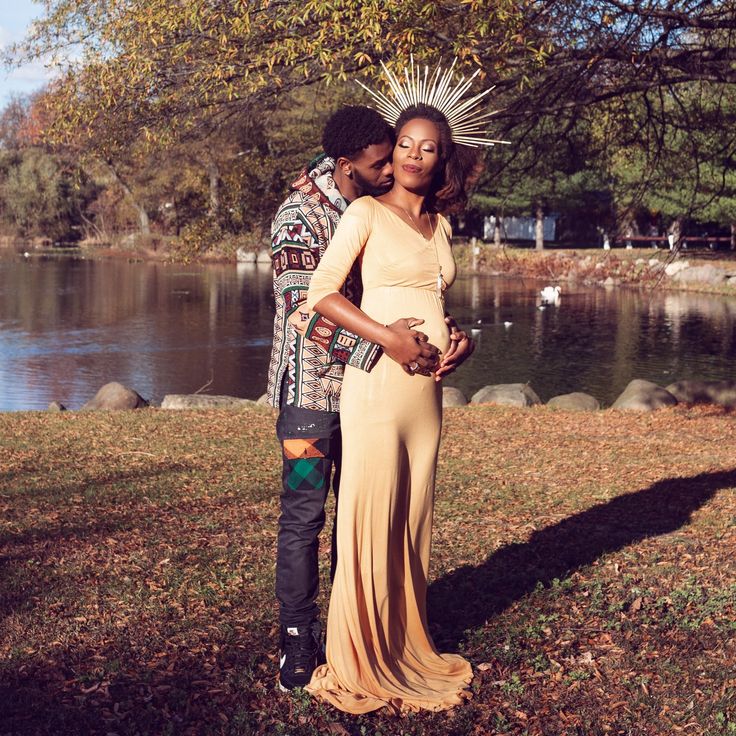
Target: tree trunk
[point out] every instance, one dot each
(497, 231)
(92, 227)
(626, 227)
(213, 172)
(143, 221)
(676, 234)
(539, 227)
(733, 236)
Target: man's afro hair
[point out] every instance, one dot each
(353, 128)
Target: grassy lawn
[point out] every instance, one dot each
(584, 563)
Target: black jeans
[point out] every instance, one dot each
(311, 446)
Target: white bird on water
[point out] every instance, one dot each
(551, 295)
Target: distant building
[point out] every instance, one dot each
(520, 228)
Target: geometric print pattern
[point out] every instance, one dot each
(305, 465)
(305, 474)
(301, 230)
(297, 447)
(339, 344)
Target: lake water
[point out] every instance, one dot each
(68, 325)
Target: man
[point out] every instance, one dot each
(307, 362)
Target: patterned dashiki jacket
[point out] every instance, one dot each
(313, 364)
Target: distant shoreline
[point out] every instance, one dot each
(639, 267)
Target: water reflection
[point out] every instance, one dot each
(68, 325)
(596, 340)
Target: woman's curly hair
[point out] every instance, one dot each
(460, 166)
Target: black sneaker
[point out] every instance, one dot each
(301, 652)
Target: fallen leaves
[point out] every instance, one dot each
(585, 565)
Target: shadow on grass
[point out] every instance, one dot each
(83, 691)
(148, 679)
(467, 597)
(162, 669)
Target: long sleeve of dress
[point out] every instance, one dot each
(345, 246)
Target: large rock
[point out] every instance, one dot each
(264, 256)
(204, 401)
(507, 394)
(705, 392)
(453, 397)
(644, 396)
(675, 267)
(56, 406)
(115, 396)
(576, 401)
(705, 274)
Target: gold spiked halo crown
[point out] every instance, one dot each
(467, 122)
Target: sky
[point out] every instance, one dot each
(15, 18)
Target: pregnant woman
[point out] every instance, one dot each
(379, 651)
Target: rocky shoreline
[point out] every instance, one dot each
(639, 395)
(588, 267)
(650, 268)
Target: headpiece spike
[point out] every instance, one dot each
(465, 120)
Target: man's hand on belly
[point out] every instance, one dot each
(461, 348)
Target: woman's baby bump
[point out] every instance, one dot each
(435, 329)
(390, 304)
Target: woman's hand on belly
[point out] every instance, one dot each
(410, 348)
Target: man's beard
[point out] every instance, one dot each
(367, 188)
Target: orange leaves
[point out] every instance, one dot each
(144, 50)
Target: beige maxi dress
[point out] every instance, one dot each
(379, 652)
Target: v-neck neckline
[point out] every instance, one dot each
(411, 227)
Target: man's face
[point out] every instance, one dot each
(372, 170)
